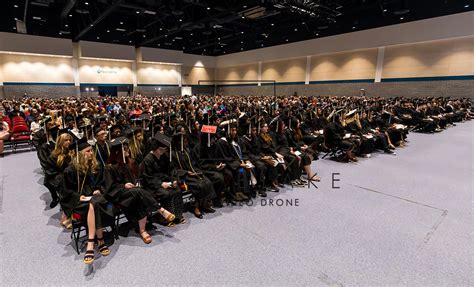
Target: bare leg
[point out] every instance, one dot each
(91, 226)
(146, 237)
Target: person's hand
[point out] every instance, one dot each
(166, 185)
(129, 185)
(190, 173)
(96, 192)
(305, 147)
(175, 184)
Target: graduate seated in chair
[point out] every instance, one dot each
(122, 188)
(82, 192)
(184, 167)
(156, 179)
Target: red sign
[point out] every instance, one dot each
(209, 129)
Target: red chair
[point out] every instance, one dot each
(20, 134)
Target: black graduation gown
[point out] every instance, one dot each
(53, 174)
(102, 153)
(70, 193)
(153, 172)
(200, 185)
(136, 203)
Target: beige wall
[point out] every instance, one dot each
(344, 66)
(191, 75)
(243, 72)
(148, 73)
(36, 69)
(105, 72)
(291, 70)
(440, 58)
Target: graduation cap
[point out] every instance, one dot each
(163, 140)
(79, 145)
(46, 120)
(118, 143)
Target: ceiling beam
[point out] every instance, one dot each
(177, 30)
(98, 20)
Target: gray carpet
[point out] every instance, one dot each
(395, 220)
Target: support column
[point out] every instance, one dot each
(180, 76)
(379, 68)
(308, 70)
(138, 58)
(76, 55)
(259, 73)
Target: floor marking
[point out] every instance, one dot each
(435, 226)
(328, 281)
(401, 198)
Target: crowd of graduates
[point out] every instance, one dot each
(138, 155)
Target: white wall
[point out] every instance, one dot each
(172, 56)
(109, 51)
(457, 25)
(13, 42)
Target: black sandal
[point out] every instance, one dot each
(89, 256)
(103, 249)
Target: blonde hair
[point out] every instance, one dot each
(59, 151)
(82, 166)
(134, 147)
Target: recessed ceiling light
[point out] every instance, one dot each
(272, 24)
(60, 33)
(87, 3)
(191, 34)
(241, 42)
(92, 25)
(204, 50)
(317, 34)
(16, 6)
(218, 38)
(130, 41)
(70, 15)
(241, 49)
(401, 18)
(158, 45)
(242, 32)
(286, 40)
(121, 23)
(98, 38)
(138, 12)
(243, 17)
(385, 10)
(199, 43)
(208, 8)
(303, 23)
(353, 27)
(108, 31)
(245, 6)
(16, 19)
(296, 29)
(261, 45)
(161, 29)
(467, 6)
(144, 36)
(14, 28)
(180, 20)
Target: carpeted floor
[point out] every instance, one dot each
(395, 220)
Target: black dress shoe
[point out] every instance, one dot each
(218, 204)
(198, 215)
(208, 209)
(53, 203)
(262, 193)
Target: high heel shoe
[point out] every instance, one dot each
(103, 248)
(89, 256)
(146, 238)
(197, 213)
